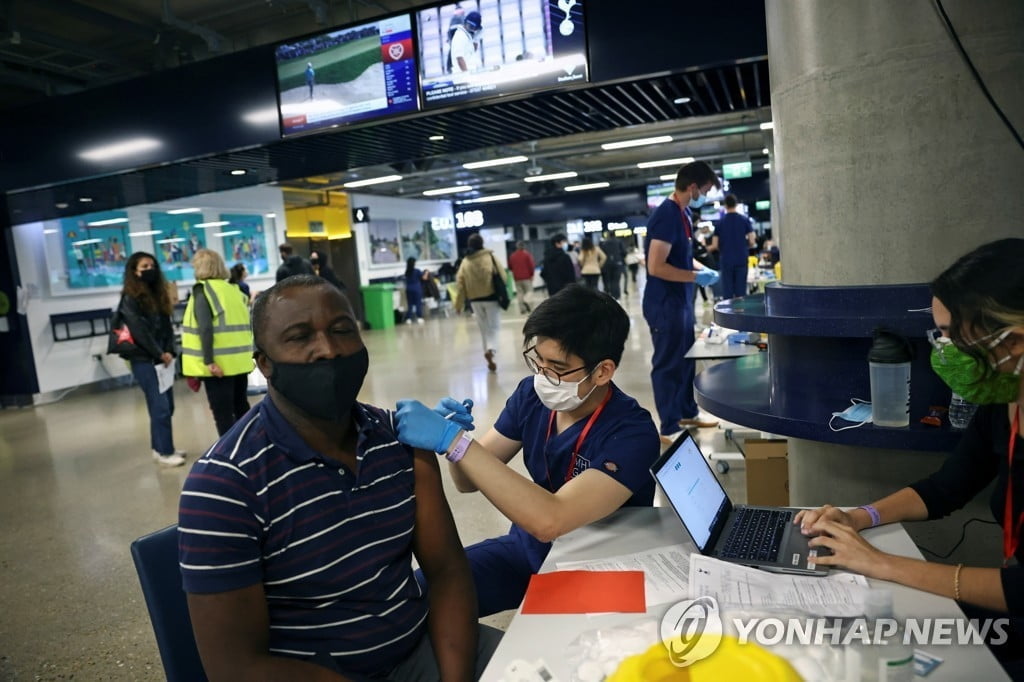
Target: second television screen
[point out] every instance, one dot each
(483, 48)
(348, 75)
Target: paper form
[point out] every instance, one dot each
(838, 594)
(666, 570)
(164, 376)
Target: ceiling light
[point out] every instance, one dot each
(170, 241)
(643, 141)
(271, 215)
(448, 190)
(493, 197)
(213, 223)
(178, 211)
(260, 116)
(135, 145)
(50, 231)
(436, 138)
(145, 233)
(238, 171)
(681, 100)
(767, 166)
(765, 150)
(472, 165)
(61, 204)
(767, 125)
(550, 176)
(667, 176)
(373, 181)
(109, 221)
(86, 241)
(666, 162)
(85, 200)
(592, 185)
(227, 234)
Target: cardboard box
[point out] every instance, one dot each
(767, 471)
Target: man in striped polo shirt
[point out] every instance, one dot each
(298, 527)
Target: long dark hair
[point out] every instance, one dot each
(410, 265)
(237, 270)
(151, 298)
(984, 292)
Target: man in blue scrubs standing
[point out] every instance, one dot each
(668, 298)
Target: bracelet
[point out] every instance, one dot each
(956, 582)
(460, 448)
(876, 518)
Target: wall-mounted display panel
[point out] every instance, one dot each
(91, 249)
(488, 48)
(352, 74)
(244, 240)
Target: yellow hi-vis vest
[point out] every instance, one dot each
(232, 333)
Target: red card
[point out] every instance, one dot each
(586, 592)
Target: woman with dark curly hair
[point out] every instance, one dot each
(146, 309)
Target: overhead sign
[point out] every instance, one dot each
(466, 219)
(731, 171)
(763, 205)
(361, 214)
(592, 226)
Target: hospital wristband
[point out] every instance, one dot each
(876, 518)
(457, 452)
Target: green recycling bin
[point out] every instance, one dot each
(377, 302)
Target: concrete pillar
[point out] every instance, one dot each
(888, 163)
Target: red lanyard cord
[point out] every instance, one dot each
(1011, 530)
(579, 439)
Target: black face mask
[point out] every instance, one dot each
(149, 276)
(325, 389)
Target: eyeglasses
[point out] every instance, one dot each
(553, 377)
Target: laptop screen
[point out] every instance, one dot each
(691, 488)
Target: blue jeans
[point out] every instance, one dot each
(672, 374)
(734, 280)
(414, 300)
(159, 405)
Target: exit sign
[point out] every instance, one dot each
(763, 205)
(731, 171)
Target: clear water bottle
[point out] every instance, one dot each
(882, 654)
(960, 412)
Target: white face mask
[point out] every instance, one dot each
(562, 398)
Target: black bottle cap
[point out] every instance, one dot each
(889, 347)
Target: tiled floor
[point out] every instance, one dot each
(77, 485)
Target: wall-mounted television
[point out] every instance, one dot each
(477, 49)
(351, 74)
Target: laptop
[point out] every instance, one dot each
(763, 537)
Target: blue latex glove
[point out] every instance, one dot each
(460, 413)
(706, 277)
(421, 427)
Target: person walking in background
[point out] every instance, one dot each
(216, 340)
(592, 260)
(668, 298)
(292, 264)
(633, 264)
(146, 309)
(733, 239)
(238, 275)
(614, 265)
(522, 266)
(318, 260)
(475, 284)
(558, 271)
(413, 292)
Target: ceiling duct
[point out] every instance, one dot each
(214, 41)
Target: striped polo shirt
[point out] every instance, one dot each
(332, 547)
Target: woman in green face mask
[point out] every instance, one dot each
(978, 309)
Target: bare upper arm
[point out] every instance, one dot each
(232, 629)
(589, 497)
(435, 538)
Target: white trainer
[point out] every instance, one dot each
(172, 460)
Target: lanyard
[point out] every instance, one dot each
(579, 440)
(686, 220)
(1011, 531)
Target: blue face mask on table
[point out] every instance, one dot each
(859, 413)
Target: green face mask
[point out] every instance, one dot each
(966, 376)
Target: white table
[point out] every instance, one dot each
(633, 529)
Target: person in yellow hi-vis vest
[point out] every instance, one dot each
(216, 339)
